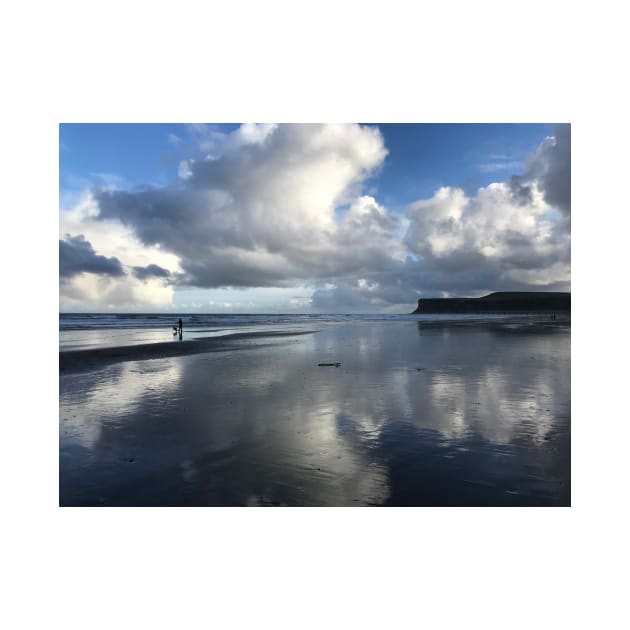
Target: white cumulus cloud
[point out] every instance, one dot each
(285, 206)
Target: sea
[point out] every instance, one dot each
(78, 331)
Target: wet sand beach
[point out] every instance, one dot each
(94, 358)
(417, 413)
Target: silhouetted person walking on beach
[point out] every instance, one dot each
(180, 328)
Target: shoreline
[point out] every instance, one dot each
(96, 358)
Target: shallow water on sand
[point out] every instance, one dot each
(417, 414)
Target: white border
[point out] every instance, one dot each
(326, 61)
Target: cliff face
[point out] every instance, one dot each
(500, 302)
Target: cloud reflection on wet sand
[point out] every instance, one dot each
(413, 417)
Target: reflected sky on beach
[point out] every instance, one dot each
(109, 396)
(415, 415)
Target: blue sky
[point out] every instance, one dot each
(421, 158)
(136, 153)
(429, 208)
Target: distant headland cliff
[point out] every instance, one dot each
(500, 302)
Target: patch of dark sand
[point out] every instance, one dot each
(96, 358)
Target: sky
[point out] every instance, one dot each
(309, 218)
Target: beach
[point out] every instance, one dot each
(417, 413)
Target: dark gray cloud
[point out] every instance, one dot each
(151, 271)
(77, 256)
(549, 169)
(556, 172)
(521, 190)
(398, 289)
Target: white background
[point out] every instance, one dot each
(339, 62)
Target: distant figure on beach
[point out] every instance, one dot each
(179, 325)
